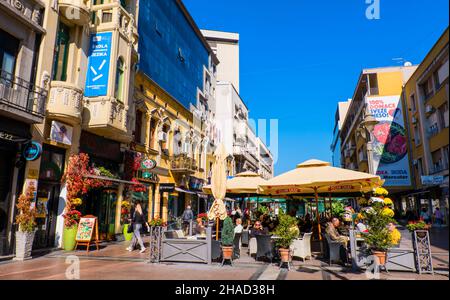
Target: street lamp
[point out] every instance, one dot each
(365, 129)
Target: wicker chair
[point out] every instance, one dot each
(302, 247)
(252, 246)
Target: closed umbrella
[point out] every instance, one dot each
(218, 188)
(315, 176)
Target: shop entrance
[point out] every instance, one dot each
(6, 171)
(47, 209)
(102, 204)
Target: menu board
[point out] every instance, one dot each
(85, 229)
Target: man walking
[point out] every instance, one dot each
(187, 218)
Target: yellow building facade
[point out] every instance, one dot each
(426, 95)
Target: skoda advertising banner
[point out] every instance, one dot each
(390, 157)
(98, 65)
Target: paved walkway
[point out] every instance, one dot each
(114, 262)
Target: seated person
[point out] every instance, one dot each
(334, 235)
(257, 229)
(394, 234)
(198, 227)
(239, 227)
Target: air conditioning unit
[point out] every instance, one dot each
(428, 109)
(413, 120)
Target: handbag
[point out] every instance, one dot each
(130, 228)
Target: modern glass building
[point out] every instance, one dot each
(172, 53)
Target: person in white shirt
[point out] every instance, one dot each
(239, 227)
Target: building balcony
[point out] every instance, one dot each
(21, 100)
(183, 163)
(107, 117)
(75, 11)
(65, 102)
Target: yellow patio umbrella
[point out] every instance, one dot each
(316, 176)
(218, 187)
(243, 183)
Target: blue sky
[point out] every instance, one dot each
(299, 58)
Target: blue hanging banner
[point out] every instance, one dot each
(98, 65)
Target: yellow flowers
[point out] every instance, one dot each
(388, 202)
(379, 191)
(77, 201)
(126, 204)
(387, 212)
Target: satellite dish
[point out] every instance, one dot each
(407, 64)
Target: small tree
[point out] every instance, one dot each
(27, 215)
(227, 232)
(286, 230)
(378, 217)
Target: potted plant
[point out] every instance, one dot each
(286, 231)
(414, 226)
(26, 222)
(378, 239)
(227, 238)
(71, 220)
(125, 211)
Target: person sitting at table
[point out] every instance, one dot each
(198, 227)
(394, 234)
(239, 227)
(258, 229)
(334, 235)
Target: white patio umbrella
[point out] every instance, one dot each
(218, 187)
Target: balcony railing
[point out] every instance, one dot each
(183, 163)
(22, 95)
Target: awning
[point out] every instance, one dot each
(184, 191)
(202, 195)
(111, 179)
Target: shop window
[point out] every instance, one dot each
(61, 53)
(52, 164)
(427, 88)
(120, 73)
(8, 52)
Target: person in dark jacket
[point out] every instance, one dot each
(137, 221)
(187, 217)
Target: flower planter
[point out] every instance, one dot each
(69, 236)
(227, 252)
(24, 245)
(381, 257)
(126, 235)
(284, 255)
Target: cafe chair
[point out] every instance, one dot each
(333, 249)
(237, 245)
(252, 246)
(216, 250)
(264, 247)
(302, 247)
(245, 237)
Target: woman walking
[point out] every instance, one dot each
(137, 222)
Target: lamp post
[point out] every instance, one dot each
(365, 129)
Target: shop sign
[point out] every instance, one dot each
(61, 133)
(148, 164)
(10, 137)
(150, 176)
(432, 180)
(167, 187)
(98, 64)
(32, 151)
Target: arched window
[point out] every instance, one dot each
(120, 73)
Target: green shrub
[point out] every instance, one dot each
(227, 232)
(286, 230)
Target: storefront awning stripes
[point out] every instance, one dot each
(184, 191)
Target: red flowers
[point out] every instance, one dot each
(382, 133)
(72, 218)
(138, 187)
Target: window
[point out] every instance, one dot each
(413, 104)
(419, 167)
(8, 52)
(417, 135)
(61, 53)
(118, 94)
(437, 161)
(138, 127)
(373, 83)
(427, 88)
(443, 115)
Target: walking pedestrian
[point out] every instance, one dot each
(438, 217)
(187, 217)
(137, 222)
